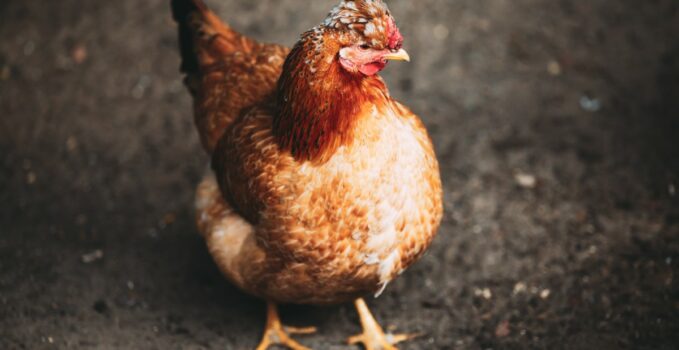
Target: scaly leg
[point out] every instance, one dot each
(373, 337)
(277, 334)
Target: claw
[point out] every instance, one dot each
(277, 334)
(373, 337)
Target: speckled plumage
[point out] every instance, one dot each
(306, 203)
(325, 233)
(371, 19)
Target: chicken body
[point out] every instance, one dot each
(330, 232)
(323, 188)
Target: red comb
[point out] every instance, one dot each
(395, 37)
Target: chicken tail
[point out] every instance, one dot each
(203, 38)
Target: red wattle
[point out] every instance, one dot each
(372, 68)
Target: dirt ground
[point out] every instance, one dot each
(556, 125)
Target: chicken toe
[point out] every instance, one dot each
(278, 334)
(373, 337)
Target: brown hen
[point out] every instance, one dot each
(323, 188)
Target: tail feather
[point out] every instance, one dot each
(203, 37)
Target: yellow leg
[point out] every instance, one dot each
(277, 334)
(373, 337)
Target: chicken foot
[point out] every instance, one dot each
(373, 337)
(278, 334)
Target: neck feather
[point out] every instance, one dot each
(318, 102)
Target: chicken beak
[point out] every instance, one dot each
(400, 55)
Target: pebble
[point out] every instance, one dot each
(519, 288)
(502, 330)
(590, 104)
(31, 178)
(167, 220)
(92, 256)
(79, 54)
(5, 72)
(672, 190)
(545, 293)
(554, 68)
(485, 293)
(526, 180)
(139, 89)
(441, 32)
(71, 143)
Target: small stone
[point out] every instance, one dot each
(545, 293)
(526, 180)
(71, 143)
(143, 84)
(519, 288)
(485, 293)
(31, 178)
(130, 285)
(502, 330)
(554, 68)
(168, 219)
(79, 54)
(590, 104)
(672, 190)
(5, 72)
(92, 256)
(441, 32)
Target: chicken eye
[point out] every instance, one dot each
(365, 47)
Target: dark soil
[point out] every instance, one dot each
(98, 152)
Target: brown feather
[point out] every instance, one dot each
(317, 107)
(227, 72)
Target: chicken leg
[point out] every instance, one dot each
(278, 334)
(373, 337)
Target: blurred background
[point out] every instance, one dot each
(556, 125)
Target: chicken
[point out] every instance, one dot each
(323, 188)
